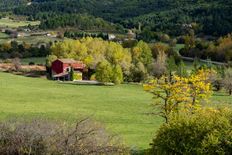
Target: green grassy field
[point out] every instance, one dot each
(30, 39)
(178, 47)
(6, 22)
(3, 36)
(122, 109)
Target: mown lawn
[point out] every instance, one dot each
(120, 108)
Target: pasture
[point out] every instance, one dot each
(30, 39)
(10, 23)
(4, 35)
(122, 109)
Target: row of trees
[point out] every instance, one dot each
(24, 50)
(219, 50)
(77, 34)
(79, 21)
(97, 54)
(132, 64)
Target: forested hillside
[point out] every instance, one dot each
(5, 5)
(212, 16)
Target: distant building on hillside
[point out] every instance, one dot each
(111, 37)
(22, 34)
(61, 69)
(131, 35)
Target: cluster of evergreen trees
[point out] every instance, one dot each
(79, 21)
(6, 5)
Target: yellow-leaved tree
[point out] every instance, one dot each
(182, 92)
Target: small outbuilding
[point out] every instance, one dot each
(61, 69)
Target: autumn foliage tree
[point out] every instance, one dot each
(104, 72)
(200, 88)
(180, 92)
(142, 53)
(159, 66)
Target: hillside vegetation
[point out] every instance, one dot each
(213, 16)
(5, 5)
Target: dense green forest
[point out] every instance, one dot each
(6, 5)
(170, 16)
(80, 21)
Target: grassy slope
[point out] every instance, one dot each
(6, 22)
(120, 108)
(30, 39)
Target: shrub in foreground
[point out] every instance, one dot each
(43, 137)
(204, 132)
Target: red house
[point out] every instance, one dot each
(62, 67)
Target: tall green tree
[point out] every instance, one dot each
(117, 77)
(104, 72)
(142, 53)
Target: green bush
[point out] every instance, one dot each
(205, 132)
(77, 76)
(104, 72)
(138, 72)
(117, 75)
(93, 77)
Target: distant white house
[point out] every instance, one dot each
(51, 35)
(187, 25)
(111, 37)
(22, 34)
(131, 35)
(26, 30)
